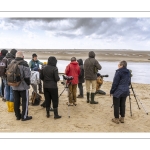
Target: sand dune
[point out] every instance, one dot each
(84, 117)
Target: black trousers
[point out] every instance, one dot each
(80, 86)
(119, 106)
(3, 86)
(25, 100)
(51, 95)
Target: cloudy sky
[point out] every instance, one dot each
(75, 33)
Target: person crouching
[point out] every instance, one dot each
(120, 91)
(50, 77)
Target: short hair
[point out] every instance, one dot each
(123, 63)
(34, 55)
(73, 59)
(19, 54)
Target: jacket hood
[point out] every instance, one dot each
(80, 61)
(74, 63)
(4, 52)
(91, 54)
(123, 70)
(13, 52)
(9, 55)
(52, 61)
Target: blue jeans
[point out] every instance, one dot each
(8, 92)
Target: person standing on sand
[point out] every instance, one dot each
(50, 77)
(34, 64)
(22, 91)
(120, 91)
(91, 76)
(73, 69)
(81, 78)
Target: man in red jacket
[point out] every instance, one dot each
(73, 69)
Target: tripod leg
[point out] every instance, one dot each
(62, 92)
(130, 105)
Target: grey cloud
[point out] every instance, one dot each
(128, 28)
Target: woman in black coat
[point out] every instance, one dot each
(81, 78)
(50, 77)
(120, 91)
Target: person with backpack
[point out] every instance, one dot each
(34, 65)
(18, 75)
(91, 66)
(80, 78)
(8, 89)
(2, 72)
(50, 77)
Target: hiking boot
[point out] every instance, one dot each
(56, 116)
(121, 119)
(88, 97)
(27, 118)
(115, 120)
(79, 96)
(92, 99)
(47, 112)
(19, 117)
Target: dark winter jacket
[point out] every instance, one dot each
(121, 83)
(73, 69)
(3, 54)
(89, 65)
(25, 75)
(49, 74)
(81, 76)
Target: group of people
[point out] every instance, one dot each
(81, 72)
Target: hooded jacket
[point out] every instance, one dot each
(81, 76)
(3, 53)
(25, 75)
(73, 69)
(35, 65)
(89, 65)
(121, 83)
(49, 74)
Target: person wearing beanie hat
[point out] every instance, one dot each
(50, 77)
(2, 86)
(8, 92)
(34, 65)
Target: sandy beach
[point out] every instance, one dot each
(84, 117)
(101, 55)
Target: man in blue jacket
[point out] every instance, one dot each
(34, 64)
(120, 91)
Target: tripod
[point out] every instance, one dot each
(136, 98)
(66, 88)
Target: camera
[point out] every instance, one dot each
(99, 75)
(65, 77)
(104, 76)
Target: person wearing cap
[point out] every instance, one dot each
(91, 76)
(8, 92)
(2, 86)
(34, 65)
(22, 91)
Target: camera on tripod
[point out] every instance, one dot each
(65, 77)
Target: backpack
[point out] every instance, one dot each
(13, 73)
(3, 66)
(35, 99)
